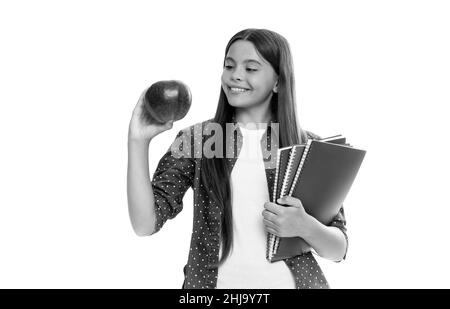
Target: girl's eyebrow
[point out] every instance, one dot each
(245, 61)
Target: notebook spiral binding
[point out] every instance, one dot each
(270, 236)
(291, 190)
(283, 193)
(273, 240)
(288, 172)
(302, 161)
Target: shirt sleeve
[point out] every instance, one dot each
(340, 222)
(174, 175)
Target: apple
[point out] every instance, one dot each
(167, 100)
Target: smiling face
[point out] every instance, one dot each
(248, 80)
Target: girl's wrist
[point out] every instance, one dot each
(311, 225)
(134, 141)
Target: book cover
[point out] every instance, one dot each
(321, 180)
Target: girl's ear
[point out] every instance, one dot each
(275, 88)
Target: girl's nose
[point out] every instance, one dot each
(237, 74)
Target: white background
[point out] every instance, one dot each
(72, 71)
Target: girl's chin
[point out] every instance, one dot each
(238, 104)
(238, 101)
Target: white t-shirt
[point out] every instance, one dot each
(247, 267)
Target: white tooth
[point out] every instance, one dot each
(238, 89)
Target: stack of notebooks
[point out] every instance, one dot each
(320, 174)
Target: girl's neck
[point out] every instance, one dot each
(246, 117)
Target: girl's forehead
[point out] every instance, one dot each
(243, 51)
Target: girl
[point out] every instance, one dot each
(232, 207)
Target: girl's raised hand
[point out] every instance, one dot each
(143, 128)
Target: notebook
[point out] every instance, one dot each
(319, 173)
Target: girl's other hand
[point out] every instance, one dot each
(143, 128)
(290, 220)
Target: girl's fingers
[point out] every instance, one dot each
(290, 201)
(272, 231)
(273, 208)
(169, 124)
(270, 224)
(159, 127)
(269, 215)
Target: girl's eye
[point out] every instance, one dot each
(229, 67)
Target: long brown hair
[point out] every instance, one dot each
(215, 172)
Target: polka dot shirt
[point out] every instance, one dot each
(174, 175)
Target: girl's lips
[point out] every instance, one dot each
(238, 90)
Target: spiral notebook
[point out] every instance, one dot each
(320, 173)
